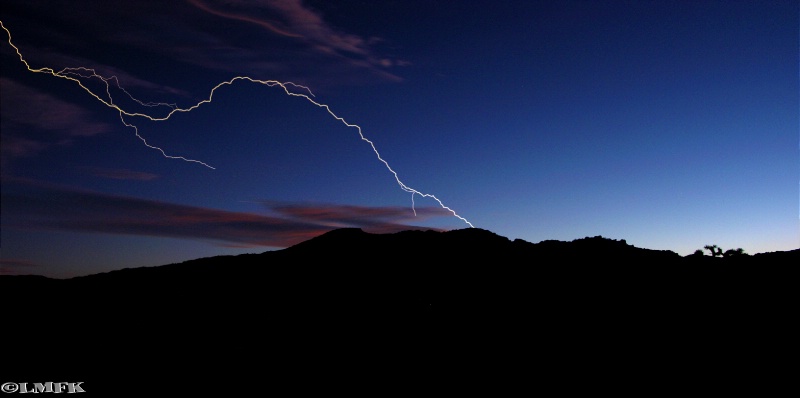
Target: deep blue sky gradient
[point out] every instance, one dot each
(671, 124)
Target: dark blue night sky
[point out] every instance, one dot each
(671, 124)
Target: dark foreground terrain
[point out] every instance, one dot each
(416, 312)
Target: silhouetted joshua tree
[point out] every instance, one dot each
(714, 249)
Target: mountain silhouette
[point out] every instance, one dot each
(459, 309)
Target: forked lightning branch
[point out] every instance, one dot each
(82, 76)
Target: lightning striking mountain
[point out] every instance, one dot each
(82, 75)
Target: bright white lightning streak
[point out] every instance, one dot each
(71, 73)
(76, 74)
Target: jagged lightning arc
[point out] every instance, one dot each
(77, 74)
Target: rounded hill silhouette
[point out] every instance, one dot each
(464, 308)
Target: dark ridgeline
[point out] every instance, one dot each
(465, 309)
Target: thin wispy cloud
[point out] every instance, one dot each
(57, 61)
(295, 20)
(272, 26)
(34, 121)
(13, 266)
(287, 40)
(30, 107)
(37, 206)
(373, 219)
(122, 174)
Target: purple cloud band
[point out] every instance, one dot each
(54, 208)
(122, 174)
(11, 266)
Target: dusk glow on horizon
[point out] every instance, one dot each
(147, 133)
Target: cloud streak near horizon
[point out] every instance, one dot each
(40, 207)
(11, 266)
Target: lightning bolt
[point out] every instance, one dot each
(79, 74)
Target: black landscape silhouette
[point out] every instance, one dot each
(465, 309)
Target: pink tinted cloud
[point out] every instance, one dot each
(34, 121)
(297, 43)
(12, 266)
(372, 219)
(30, 107)
(269, 25)
(291, 18)
(13, 146)
(123, 174)
(41, 207)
